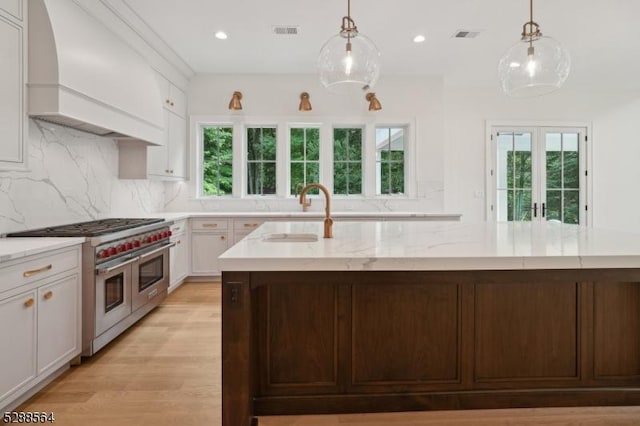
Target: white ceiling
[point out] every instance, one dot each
(600, 35)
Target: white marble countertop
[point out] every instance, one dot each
(420, 245)
(301, 215)
(18, 247)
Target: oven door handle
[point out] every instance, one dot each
(103, 271)
(152, 252)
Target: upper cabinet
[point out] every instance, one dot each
(169, 161)
(13, 48)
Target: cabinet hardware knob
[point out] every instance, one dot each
(178, 242)
(168, 101)
(28, 303)
(171, 103)
(48, 295)
(222, 237)
(33, 272)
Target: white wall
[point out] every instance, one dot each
(614, 142)
(406, 98)
(616, 178)
(72, 176)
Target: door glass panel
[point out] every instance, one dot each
(563, 177)
(514, 176)
(113, 292)
(150, 272)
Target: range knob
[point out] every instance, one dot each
(120, 248)
(112, 251)
(149, 239)
(169, 233)
(128, 246)
(103, 253)
(137, 243)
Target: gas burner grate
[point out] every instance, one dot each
(88, 229)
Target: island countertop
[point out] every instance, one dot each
(434, 246)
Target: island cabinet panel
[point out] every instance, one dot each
(313, 342)
(299, 337)
(616, 336)
(526, 331)
(395, 328)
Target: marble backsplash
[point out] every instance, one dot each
(71, 176)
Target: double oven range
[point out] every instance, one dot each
(125, 273)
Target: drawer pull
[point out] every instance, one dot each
(250, 225)
(222, 237)
(176, 229)
(209, 225)
(33, 272)
(48, 295)
(28, 303)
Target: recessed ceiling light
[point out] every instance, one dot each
(221, 35)
(419, 38)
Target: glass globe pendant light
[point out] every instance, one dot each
(349, 61)
(534, 66)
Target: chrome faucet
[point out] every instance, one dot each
(306, 202)
(328, 222)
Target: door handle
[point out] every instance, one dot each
(544, 209)
(535, 209)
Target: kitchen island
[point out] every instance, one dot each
(399, 316)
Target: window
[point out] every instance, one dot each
(390, 160)
(305, 157)
(261, 160)
(217, 160)
(347, 161)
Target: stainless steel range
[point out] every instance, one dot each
(125, 273)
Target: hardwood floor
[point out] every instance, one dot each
(166, 371)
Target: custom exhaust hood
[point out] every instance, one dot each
(82, 75)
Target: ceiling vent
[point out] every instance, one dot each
(466, 34)
(286, 29)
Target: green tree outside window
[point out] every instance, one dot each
(347, 161)
(217, 161)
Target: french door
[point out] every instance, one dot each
(538, 174)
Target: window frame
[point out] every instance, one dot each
(282, 124)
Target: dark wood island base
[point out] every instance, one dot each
(374, 341)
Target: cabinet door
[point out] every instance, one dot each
(58, 322)
(178, 260)
(178, 101)
(177, 146)
(205, 249)
(157, 155)
(12, 114)
(17, 334)
(12, 7)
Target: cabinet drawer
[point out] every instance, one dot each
(38, 267)
(178, 227)
(209, 224)
(247, 224)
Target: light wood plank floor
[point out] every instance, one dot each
(166, 371)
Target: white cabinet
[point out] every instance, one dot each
(13, 49)
(209, 239)
(40, 319)
(58, 319)
(170, 160)
(17, 333)
(243, 227)
(178, 254)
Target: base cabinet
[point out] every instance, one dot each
(18, 336)
(209, 239)
(317, 342)
(178, 254)
(58, 319)
(40, 320)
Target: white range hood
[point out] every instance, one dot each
(82, 75)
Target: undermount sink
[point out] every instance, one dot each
(290, 238)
